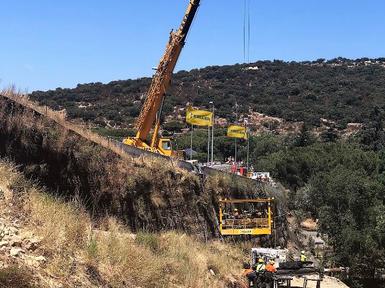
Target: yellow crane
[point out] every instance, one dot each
(150, 114)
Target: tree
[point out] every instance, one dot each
(329, 135)
(373, 136)
(305, 137)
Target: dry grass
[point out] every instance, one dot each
(63, 228)
(8, 176)
(73, 246)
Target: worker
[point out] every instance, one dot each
(250, 274)
(303, 256)
(260, 270)
(269, 274)
(260, 267)
(236, 213)
(270, 267)
(247, 269)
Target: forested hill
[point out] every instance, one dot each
(342, 90)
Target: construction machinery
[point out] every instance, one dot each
(150, 114)
(246, 216)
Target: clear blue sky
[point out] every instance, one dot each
(47, 44)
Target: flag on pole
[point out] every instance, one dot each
(235, 131)
(199, 117)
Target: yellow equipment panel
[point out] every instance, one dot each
(246, 216)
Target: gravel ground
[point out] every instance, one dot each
(328, 282)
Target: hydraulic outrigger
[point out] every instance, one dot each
(152, 108)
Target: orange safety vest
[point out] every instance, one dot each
(247, 271)
(271, 268)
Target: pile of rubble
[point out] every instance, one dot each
(16, 244)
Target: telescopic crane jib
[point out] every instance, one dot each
(152, 108)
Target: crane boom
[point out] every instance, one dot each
(151, 110)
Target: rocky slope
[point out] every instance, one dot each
(45, 242)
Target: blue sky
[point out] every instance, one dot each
(47, 44)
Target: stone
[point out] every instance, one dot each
(6, 238)
(16, 251)
(132, 236)
(231, 282)
(34, 261)
(13, 230)
(3, 243)
(31, 244)
(16, 241)
(40, 259)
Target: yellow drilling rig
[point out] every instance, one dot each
(246, 216)
(150, 114)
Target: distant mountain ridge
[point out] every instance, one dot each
(341, 90)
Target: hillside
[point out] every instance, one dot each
(46, 242)
(141, 192)
(339, 90)
(102, 253)
(104, 220)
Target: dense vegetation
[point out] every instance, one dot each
(341, 182)
(342, 185)
(340, 89)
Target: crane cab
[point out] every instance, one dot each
(165, 147)
(246, 216)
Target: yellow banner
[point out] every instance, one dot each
(199, 117)
(235, 131)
